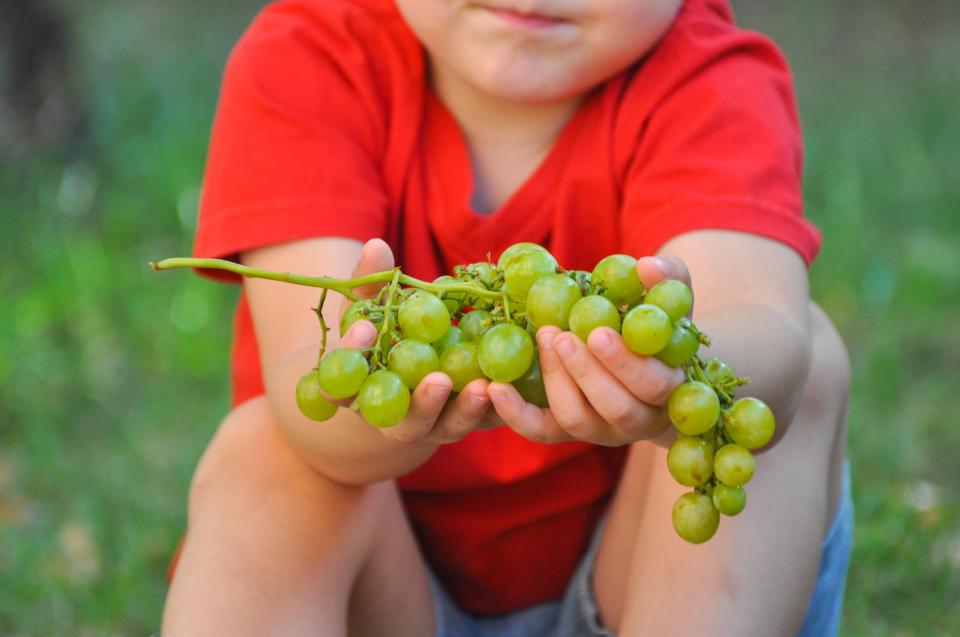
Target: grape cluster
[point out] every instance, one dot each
(480, 322)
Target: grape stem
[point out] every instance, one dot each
(323, 326)
(391, 297)
(344, 287)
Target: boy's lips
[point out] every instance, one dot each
(525, 18)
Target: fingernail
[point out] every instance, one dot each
(564, 347)
(437, 391)
(600, 341)
(545, 339)
(662, 264)
(363, 331)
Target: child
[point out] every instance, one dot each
(451, 130)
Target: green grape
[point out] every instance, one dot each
(671, 296)
(729, 499)
(311, 400)
(451, 337)
(461, 363)
(474, 324)
(681, 348)
(453, 300)
(695, 519)
(515, 250)
(412, 360)
(506, 352)
(384, 399)
(524, 269)
(342, 372)
(718, 372)
(592, 312)
(690, 461)
(693, 408)
(734, 465)
(646, 330)
(530, 385)
(423, 317)
(550, 300)
(357, 311)
(617, 275)
(750, 423)
(484, 272)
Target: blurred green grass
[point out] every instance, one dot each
(113, 378)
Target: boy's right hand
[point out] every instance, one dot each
(431, 417)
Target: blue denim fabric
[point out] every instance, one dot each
(576, 614)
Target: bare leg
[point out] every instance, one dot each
(756, 575)
(275, 549)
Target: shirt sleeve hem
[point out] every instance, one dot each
(742, 214)
(228, 232)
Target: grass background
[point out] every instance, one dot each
(112, 378)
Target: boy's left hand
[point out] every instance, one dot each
(599, 392)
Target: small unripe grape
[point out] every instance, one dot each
(515, 250)
(592, 312)
(693, 408)
(484, 272)
(690, 461)
(617, 275)
(384, 399)
(506, 352)
(461, 363)
(550, 300)
(718, 372)
(452, 300)
(750, 423)
(357, 311)
(310, 398)
(451, 337)
(474, 324)
(646, 330)
(671, 296)
(412, 360)
(695, 519)
(423, 317)
(729, 499)
(681, 348)
(530, 385)
(342, 372)
(734, 465)
(524, 269)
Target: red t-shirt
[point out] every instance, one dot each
(327, 127)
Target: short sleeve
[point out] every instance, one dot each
(721, 148)
(296, 138)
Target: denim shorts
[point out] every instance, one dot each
(576, 614)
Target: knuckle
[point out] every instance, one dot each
(658, 388)
(623, 415)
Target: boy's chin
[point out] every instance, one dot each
(529, 89)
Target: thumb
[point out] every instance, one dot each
(652, 270)
(376, 256)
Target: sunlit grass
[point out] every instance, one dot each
(112, 377)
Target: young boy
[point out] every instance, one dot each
(451, 130)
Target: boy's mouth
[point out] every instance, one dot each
(523, 18)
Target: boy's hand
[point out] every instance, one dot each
(430, 417)
(599, 392)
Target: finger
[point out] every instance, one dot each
(376, 256)
(633, 419)
(426, 403)
(531, 422)
(646, 377)
(652, 270)
(569, 407)
(463, 414)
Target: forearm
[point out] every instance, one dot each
(345, 449)
(766, 344)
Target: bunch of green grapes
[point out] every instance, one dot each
(479, 322)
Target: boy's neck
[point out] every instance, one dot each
(507, 140)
